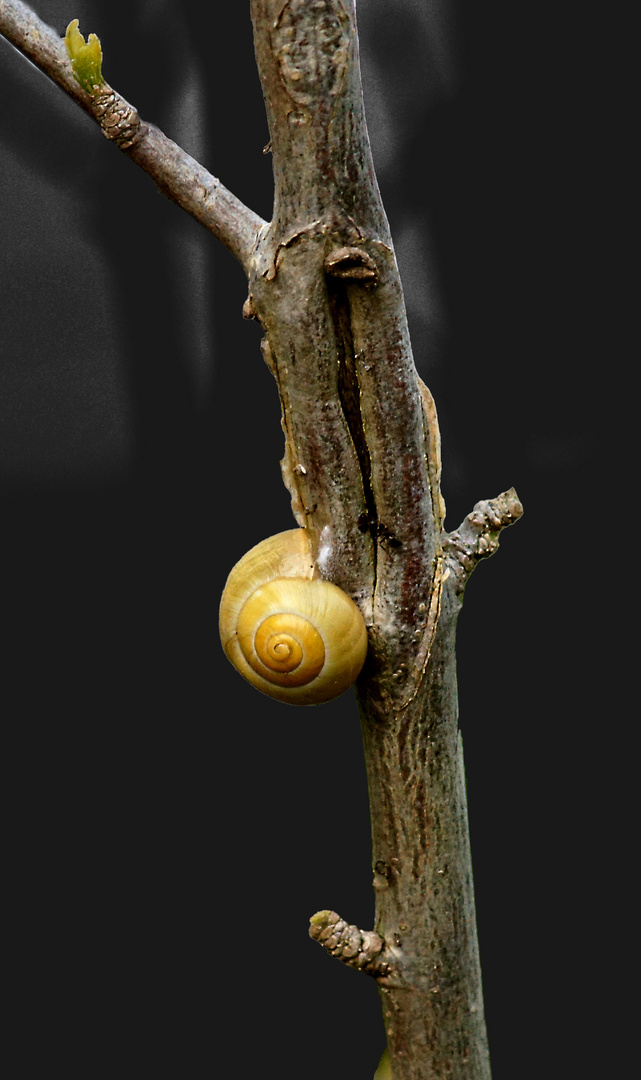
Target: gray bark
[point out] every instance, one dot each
(362, 467)
(175, 173)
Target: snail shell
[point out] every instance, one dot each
(298, 639)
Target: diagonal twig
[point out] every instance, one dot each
(176, 174)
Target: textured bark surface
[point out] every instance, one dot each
(326, 289)
(432, 1000)
(362, 464)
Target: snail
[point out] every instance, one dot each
(296, 638)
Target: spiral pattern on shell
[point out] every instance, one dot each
(295, 638)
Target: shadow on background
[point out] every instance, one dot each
(173, 831)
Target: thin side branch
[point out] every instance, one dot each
(176, 174)
(478, 536)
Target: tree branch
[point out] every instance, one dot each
(327, 292)
(362, 464)
(177, 175)
(478, 536)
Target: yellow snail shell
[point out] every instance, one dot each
(298, 639)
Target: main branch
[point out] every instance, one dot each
(326, 289)
(362, 464)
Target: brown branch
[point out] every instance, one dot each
(360, 949)
(176, 174)
(425, 912)
(326, 289)
(362, 464)
(478, 536)
(363, 467)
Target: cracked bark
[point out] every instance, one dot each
(362, 464)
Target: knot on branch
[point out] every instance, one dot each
(358, 948)
(478, 536)
(353, 264)
(118, 119)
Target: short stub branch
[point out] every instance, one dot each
(357, 948)
(478, 536)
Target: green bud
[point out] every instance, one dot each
(320, 918)
(86, 58)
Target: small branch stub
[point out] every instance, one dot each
(360, 949)
(478, 536)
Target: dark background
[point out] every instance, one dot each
(171, 831)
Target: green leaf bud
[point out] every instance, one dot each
(86, 58)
